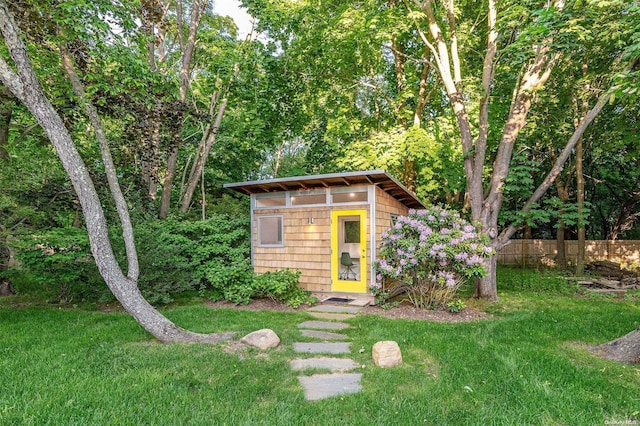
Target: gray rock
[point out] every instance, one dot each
(387, 354)
(335, 309)
(323, 325)
(324, 335)
(322, 348)
(320, 386)
(262, 339)
(323, 363)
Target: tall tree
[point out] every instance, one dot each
(490, 98)
(22, 81)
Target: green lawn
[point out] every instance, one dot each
(526, 365)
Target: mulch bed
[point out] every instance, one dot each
(404, 311)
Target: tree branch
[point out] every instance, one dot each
(508, 232)
(133, 270)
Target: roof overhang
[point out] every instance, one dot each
(379, 178)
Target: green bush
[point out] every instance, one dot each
(175, 256)
(57, 265)
(178, 255)
(282, 286)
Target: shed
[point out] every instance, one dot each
(326, 226)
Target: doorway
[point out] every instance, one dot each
(349, 251)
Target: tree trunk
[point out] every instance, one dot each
(6, 111)
(201, 159)
(580, 200)
(186, 48)
(563, 195)
(24, 84)
(560, 246)
(486, 287)
(623, 349)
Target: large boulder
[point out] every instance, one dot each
(262, 339)
(387, 354)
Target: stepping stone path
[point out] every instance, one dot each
(338, 381)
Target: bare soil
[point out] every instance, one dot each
(404, 311)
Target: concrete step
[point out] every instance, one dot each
(323, 325)
(322, 348)
(330, 316)
(324, 335)
(323, 363)
(335, 309)
(360, 302)
(320, 386)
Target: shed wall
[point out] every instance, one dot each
(307, 248)
(386, 207)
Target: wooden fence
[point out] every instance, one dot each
(544, 252)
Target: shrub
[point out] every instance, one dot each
(174, 255)
(57, 265)
(282, 286)
(178, 255)
(430, 253)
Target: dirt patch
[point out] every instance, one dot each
(255, 305)
(403, 311)
(409, 312)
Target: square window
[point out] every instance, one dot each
(270, 231)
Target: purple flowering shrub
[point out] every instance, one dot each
(429, 254)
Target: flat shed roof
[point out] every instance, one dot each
(379, 178)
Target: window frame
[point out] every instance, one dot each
(280, 218)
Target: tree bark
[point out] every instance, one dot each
(24, 84)
(580, 201)
(186, 48)
(133, 269)
(201, 158)
(6, 112)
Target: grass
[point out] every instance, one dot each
(528, 364)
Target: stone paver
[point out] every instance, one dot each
(320, 386)
(323, 363)
(323, 325)
(359, 302)
(335, 309)
(330, 316)
(321, 347)
(324, 335)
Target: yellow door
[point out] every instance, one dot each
(349, 251)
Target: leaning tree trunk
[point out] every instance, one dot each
(24, 84)
(6, 111)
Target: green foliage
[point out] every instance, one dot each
(179, 255)
(58, 266)
(430, 167)
(174, 255)
(282, 286)
(456, 306)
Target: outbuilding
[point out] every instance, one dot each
(326, 226)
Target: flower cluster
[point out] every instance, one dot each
(431, 251)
